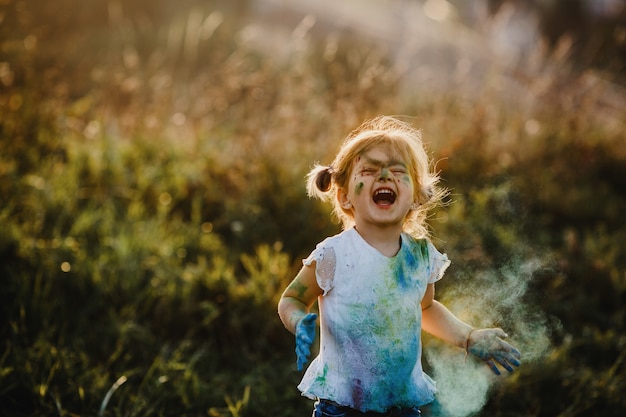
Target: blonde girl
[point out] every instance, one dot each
(375, 282)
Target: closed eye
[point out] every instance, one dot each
(369, 171)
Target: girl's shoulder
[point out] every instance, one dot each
(326, 246)
(324, 259)
(342, 238)
(421, 246)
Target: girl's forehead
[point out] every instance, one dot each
(383, 154)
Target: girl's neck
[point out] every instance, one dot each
(386, 240)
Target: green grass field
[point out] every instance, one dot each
(153, 208)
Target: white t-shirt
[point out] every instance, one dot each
(370, 346)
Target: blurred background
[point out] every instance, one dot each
(152, 209)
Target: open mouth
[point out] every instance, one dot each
(384, 197)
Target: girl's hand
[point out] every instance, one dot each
(488, 346)
(305, 334)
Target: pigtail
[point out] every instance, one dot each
(323, 181)
(319, 182)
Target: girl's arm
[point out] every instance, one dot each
(485, 344)
(295, 302)
(293, 309)
(440, 322)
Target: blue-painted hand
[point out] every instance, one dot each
(487, 345)
(305, 334)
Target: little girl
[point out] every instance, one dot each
(375, 282)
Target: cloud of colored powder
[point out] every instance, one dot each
(487, 299)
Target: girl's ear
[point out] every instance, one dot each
(342, 197)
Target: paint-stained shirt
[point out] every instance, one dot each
(370, 323)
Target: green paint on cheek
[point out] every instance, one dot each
(407, 179)
(359, 188)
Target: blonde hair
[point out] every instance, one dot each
(323, 182)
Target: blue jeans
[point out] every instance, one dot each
(324, 408)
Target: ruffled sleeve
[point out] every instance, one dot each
(325, 261)
(438, 263)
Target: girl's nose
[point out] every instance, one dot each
(384, 174)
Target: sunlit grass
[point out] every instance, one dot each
(154, 208)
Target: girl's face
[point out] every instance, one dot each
(380, 190)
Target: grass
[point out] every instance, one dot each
(154, 209)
